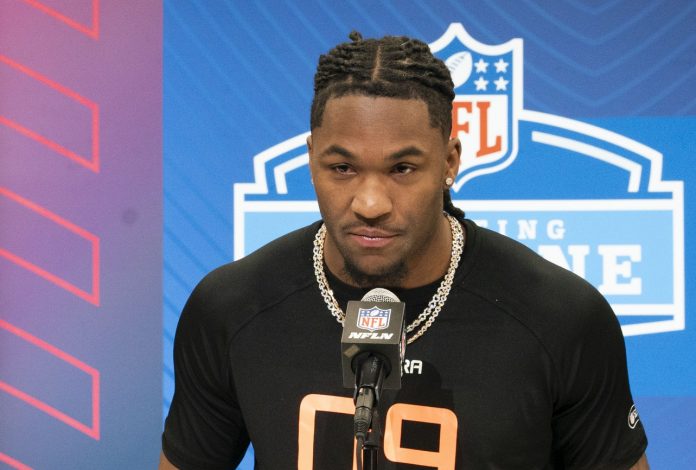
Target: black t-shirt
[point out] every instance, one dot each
(525, 367)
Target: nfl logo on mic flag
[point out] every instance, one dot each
(373, 319)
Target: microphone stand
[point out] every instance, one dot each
(371, 447)
(368, 386)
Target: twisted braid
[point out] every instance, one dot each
(390, 67)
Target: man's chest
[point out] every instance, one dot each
(465, 402)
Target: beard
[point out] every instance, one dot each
(390, 276)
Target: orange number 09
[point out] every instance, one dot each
(443, 459)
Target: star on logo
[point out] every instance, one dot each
(481, 66)
(500, 84)
(501, 66)
(481, 84)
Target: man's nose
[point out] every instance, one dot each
(372, 199)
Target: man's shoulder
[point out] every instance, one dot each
(548, 299)
(243, 287)
(286, 255)
(508, 262)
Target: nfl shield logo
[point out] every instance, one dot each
(373, 319)
(488, 86)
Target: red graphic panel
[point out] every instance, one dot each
(13, 462)
(49, 246)
(49, 113)
(77, 391)
(80, 355)
(82, 15)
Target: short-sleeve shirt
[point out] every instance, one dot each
(524, 368)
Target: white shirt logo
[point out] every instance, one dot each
(633, 417)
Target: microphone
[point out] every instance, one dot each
(373, 345)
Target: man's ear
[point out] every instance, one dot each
(454, 154)
(309, 152)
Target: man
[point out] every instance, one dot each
(513, 361)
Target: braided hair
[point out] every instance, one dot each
(391, 67)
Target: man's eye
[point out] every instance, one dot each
(403, 169)
(342, 169)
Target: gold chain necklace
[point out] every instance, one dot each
(428, 316)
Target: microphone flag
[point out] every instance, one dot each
(374, 325)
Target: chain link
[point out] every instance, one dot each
(326, 292)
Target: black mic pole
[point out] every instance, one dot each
(371, 446)
(366, 424)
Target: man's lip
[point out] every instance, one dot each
(370, 238)
(372, 233)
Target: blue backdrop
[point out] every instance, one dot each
(602, 104)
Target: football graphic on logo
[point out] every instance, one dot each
(460, 65)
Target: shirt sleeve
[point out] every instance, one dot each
(595, 423)
(205, 427)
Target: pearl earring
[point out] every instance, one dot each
(449, 181)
